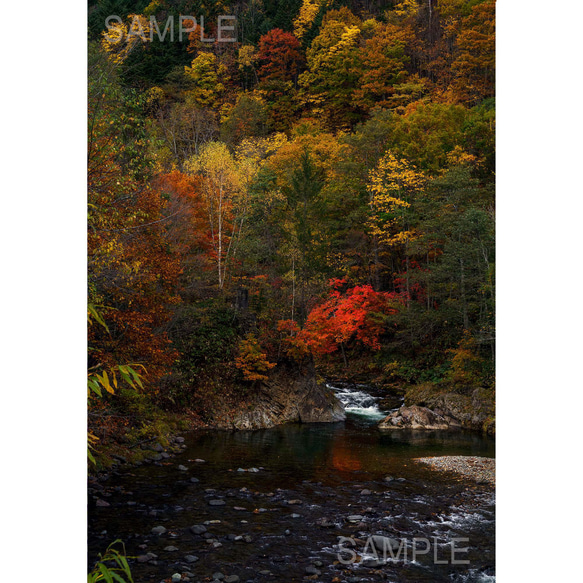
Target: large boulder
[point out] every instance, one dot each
(414, 417)
(428, 408)
(291, 393)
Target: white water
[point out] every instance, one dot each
(358, 402)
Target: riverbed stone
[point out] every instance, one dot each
(194, 480)
(312, 570)
(191, 558)
(354, 518)
(218, 576)
(158, 530)
(382, 543)
(179, 439)
(176, 577)
(232, 579)
(217, 502)
(170, 549)
(182, 468)
(102, 503)
(198, 529)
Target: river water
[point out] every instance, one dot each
(292, 507)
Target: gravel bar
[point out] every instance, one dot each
(480, 469)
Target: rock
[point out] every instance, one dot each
(294, 502)
(311, 570)
(217, 502)
(179, 439)
(354, 518)
(158, 530)
(194, 480)
(190, 559)
(157, 457)
(365, 492)
(296, 515)
(198, 529)
(176, 577)
(157, 447)
(265, 572)
(287, 532)
(182, 468)
(383, 543)
(325, 523)
(102, 503)
(143, 558)
(238, 508)
(218, 576)
(388, 479)
(120, 458)
(473, 410)
(199, 461)
(414, 417)
(290, 394)
(165, 455)
(170, 549)
(232, 579)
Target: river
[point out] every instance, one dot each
(285, 496)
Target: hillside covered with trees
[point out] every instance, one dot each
(321, 188)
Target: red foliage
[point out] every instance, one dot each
(359, 314)
(280, 56)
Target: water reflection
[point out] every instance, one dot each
(331, 451)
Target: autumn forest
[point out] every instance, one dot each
(321, 189)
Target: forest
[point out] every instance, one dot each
(322, 188)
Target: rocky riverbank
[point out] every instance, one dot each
(292, 393)
(194, 520)
(480, 469)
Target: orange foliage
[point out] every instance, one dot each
(251, 361)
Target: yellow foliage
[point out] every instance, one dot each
(459, 156)
(406, 8)
(306, 16)
(251, 361)
(121, 39)
(247, 57)
(465, 363)
(391, 183)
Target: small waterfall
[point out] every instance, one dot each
(357, 401)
